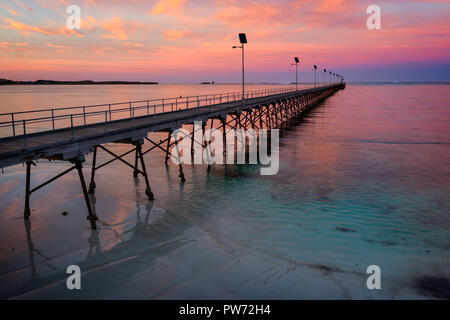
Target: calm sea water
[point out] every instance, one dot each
(364, 180)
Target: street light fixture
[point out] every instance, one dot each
(243, 41)
(324, 72)
(297, 61)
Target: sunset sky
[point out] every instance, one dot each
(191, 40)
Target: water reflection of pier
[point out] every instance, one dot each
(139, 247)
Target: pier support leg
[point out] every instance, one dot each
(27, 211)
(208, 146)
(224, 135)
(260, 119)
(181, 175)
(203, 135)
(91, 217)
(136, 172)
(272, 118)
(192, 139)
(267, 114)
(167, 149)
(94, 163)
(148, 190)
(252, 119)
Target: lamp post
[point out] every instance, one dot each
(315, 69)
(324, 72)
(296, 72)
(329, 78)
(243, 41)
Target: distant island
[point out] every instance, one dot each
(208, 82)
(54, 82)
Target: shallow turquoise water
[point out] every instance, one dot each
(363, 180)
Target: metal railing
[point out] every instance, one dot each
(25, 122)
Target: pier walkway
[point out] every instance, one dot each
(70, 133)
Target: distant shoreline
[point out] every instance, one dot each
(82, 82)
(91, 82)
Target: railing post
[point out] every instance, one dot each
(53, 120)
(109, 109)
(71, 125)
(24, 134)
(148, 109)
(163, 104)
(187, 102)
(131, 115)
(13, 124)
(84, 114)
(106, 120)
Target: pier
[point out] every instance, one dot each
(69, 134)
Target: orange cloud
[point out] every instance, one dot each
(115, 29)
(176, 34)
(26, 30)
(23, 5)
(12, 12)
(168, 6)
(16, 47)
(330, 5)
(60, 48)
(255, 13)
